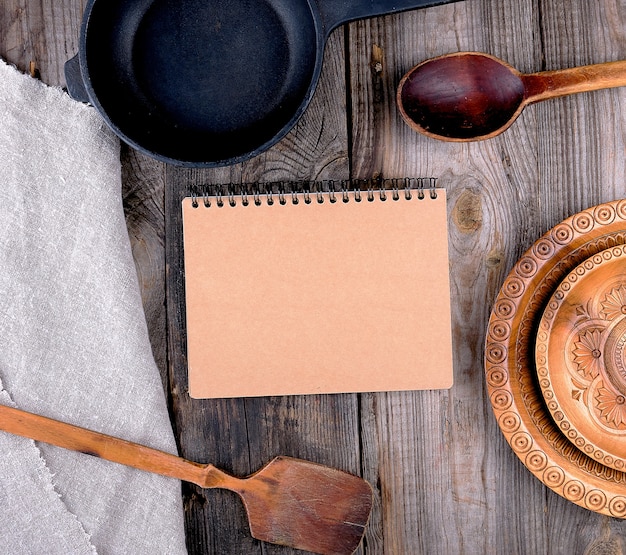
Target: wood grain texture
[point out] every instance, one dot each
(45, 33)
(445, 479)
(143, 195)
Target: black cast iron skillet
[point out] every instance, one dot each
(207, 82)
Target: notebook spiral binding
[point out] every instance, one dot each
(314, 191)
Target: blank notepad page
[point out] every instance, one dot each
(317, 297)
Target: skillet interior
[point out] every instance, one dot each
(200, 81)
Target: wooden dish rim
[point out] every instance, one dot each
(514, 394)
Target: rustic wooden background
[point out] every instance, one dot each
(445, 480)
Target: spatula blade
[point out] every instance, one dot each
(307, 506)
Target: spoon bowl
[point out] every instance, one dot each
(470, 96)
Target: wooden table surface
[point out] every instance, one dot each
(445, 479)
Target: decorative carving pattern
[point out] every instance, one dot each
(540, 290)
(561, 462)
(614, 304)
(617, 506)
(587, 352)
(611, 407)
(579, 355)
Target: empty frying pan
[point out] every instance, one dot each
(207, 82)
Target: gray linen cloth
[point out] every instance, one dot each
(73, 338)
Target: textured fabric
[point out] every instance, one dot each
(73, 339)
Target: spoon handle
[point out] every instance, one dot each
(551, 84)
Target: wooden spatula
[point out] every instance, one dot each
(289, 502)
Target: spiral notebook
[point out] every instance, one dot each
(317, 288)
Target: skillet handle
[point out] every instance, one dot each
(337, 12)
(74, 80)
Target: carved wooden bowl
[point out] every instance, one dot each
(580, 356)
(558, 440)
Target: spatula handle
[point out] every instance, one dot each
(68, 436)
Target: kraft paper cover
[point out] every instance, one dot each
(317, 298)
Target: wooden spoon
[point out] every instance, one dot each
(289, 502)
(470, 96)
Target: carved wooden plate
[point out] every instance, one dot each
(512, 381)
(580, 356)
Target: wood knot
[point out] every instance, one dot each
(494, 258)
(605, 546)
(467, 213)
(376, 62)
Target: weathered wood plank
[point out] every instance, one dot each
(463, 488)
(441, 481)
(45, 33)
(581, 163)
(240, 435)
(143, 194)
